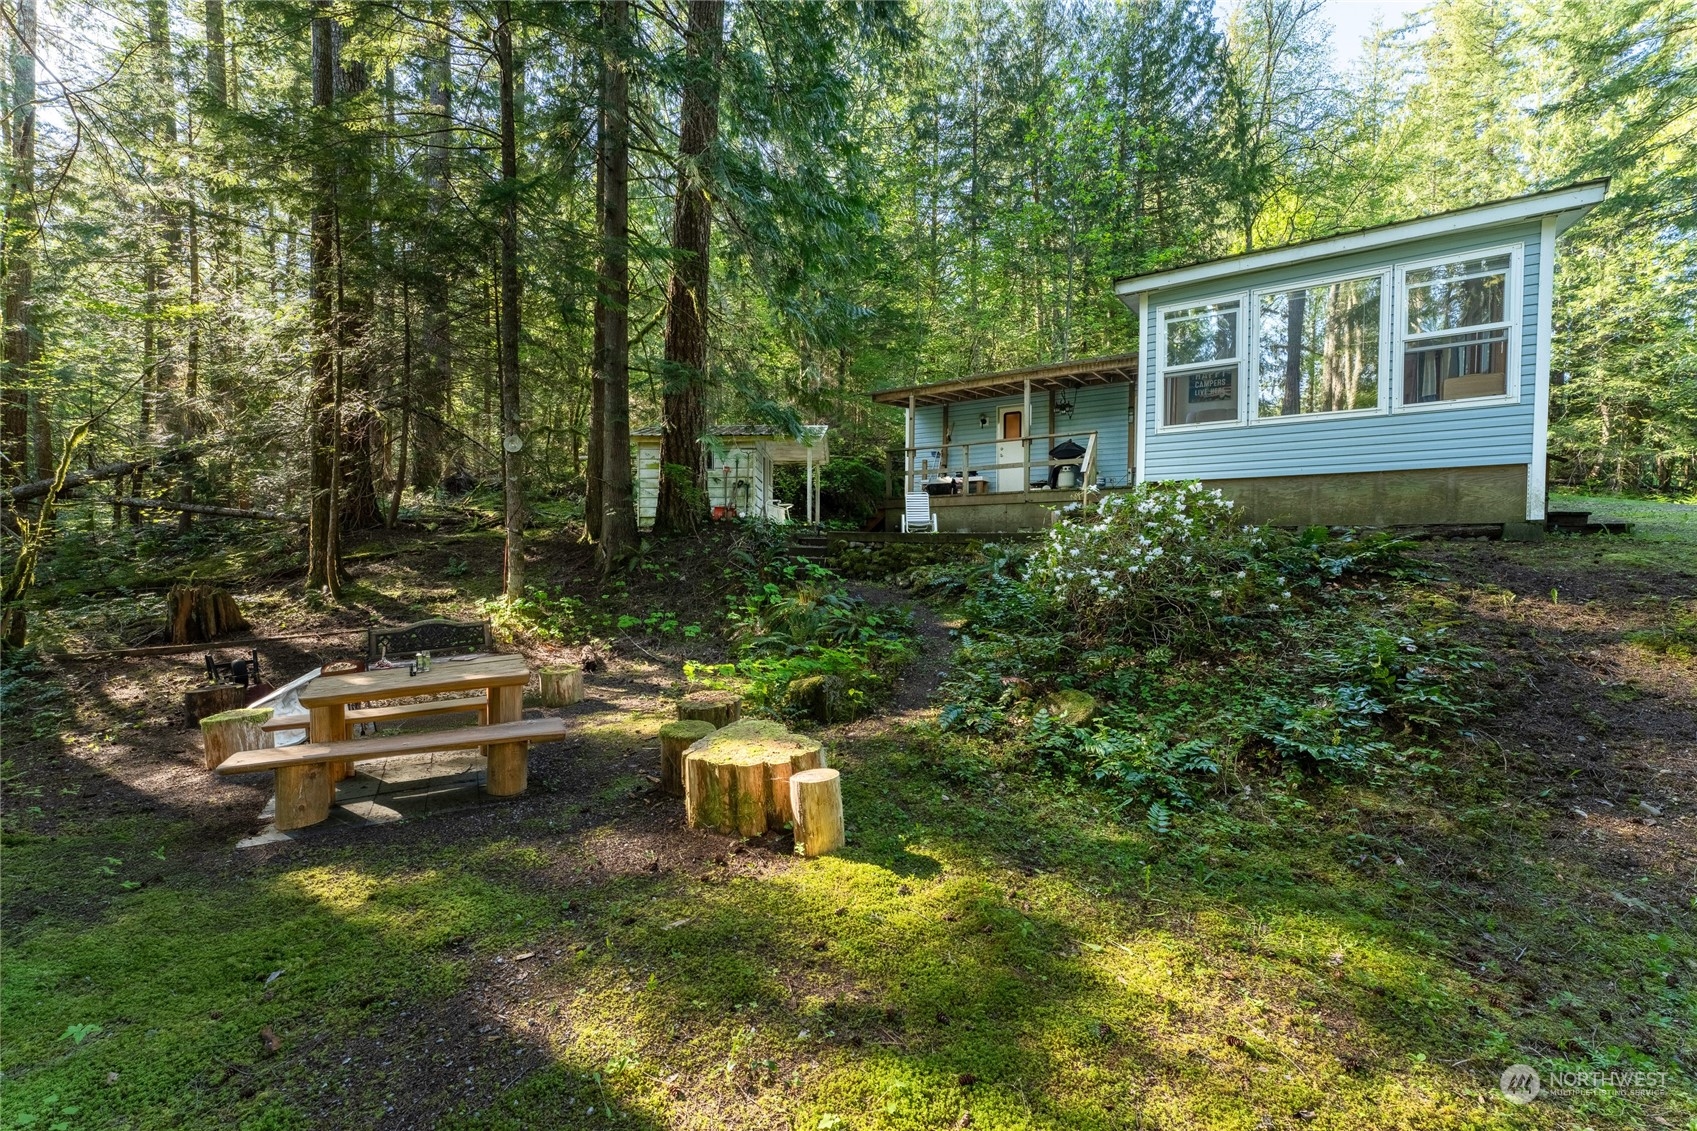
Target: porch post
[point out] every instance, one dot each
(1025, 427)
(907, 457)
(810, 486)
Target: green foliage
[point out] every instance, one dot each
(1208, 645)
(810, 625)
(556, 617)
(850, 490)
(1676, 638)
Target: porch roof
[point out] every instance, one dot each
(1060, 375)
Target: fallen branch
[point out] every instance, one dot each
(206, 509)
(182, 649)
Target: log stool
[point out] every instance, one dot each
(228, 732)
(737, 779)
(816, 798)
(676, 738)
(721, 708)
(561, 687)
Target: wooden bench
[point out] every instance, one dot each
(393, 713)
(304, 786)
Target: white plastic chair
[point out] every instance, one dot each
(778, 512)
(917, 513)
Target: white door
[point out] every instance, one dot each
(1010, 449)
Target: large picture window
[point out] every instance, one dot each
(1201, 363)
(1318, 348)
(1455, 343)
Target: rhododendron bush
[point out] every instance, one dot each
(1167, 564)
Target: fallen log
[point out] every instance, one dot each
(180, 649)
(38, 488)
(208, 509)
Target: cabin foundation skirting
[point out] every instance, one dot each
(989, 514)
(1424, 497)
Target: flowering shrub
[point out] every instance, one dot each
(1162, 564)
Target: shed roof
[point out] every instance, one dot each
(1058, 375)
(782, 447)
(1567, 204)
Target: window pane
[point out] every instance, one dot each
(1320, 348)
(1202, 333)
(1455, 368)
(1468, 292)
(1202, 396)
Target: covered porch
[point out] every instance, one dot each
(999, 451)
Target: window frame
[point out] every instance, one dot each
(1386, 276)
(1162, 369)
(1513, 313)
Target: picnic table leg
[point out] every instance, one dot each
(330, 724)
(507, 761)
(303, 795)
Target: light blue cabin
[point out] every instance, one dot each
(1395, 375)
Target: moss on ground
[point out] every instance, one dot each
(990, 943)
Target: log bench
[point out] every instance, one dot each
(396, 712)
(304, 784)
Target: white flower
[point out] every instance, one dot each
(1242, 573)
(1216, 594)
(1272, 608)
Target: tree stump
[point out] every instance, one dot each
(737, 779)
(721, 708)
(675, 739)
(200, 613)
(816, 796)
(230, 732)
(821, 698)
(561, 687)
(199, 702)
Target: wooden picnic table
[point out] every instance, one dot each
(503, 678)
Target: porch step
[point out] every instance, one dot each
(1579, 522)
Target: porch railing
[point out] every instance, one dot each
(965, 465)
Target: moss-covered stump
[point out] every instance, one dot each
(231, 732)
(1074, 708)
(562, 686)
(675, 739)
(721, 708)
(821, 698)
(737, 779)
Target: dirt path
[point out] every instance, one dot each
(916, 686)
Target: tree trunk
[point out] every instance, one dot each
(356, 488)
(323, 571)
(19, 346)
(618, 504)
(431, 403)
(683, 477)
(512, 454)
(398, 483)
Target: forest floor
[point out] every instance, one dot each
(991, 950)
